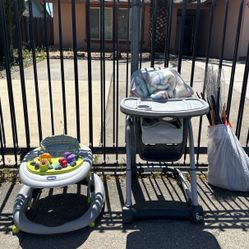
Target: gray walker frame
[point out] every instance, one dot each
(27, 193)
(193, 210)
(33, 185)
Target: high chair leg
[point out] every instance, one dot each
(127, 213)
(197, 210)
(192, 165)
(128, 167)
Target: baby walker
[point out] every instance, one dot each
(58, 162)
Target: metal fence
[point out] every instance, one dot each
(77, 88)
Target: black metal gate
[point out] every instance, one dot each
(75, 86)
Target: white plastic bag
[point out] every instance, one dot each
(228, 162)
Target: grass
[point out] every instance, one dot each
(8, 175)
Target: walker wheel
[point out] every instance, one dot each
(15, 229)
(92, 224)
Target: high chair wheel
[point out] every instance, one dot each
(197, 214)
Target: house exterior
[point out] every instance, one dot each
(37, 8)
(215, 50)
(217, 32)
(66, 22)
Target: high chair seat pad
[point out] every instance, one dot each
(161, 132)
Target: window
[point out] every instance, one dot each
(95, 21)
(122, 23)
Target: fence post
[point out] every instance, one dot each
(135, 33)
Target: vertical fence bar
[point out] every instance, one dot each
(62, 69)
(102, 76)
(242, 96)
(76, 69)
(21, 67)
(195, 42)
(89, 67)
(127, 50)
(2, 125)
(1, 147)
(235, 55)
(2, 135)
(32, 45)
(183, 17)
(205, 73)
(168, 33)
(223, 37)
(101, 17)
(113, 78)
(142, 34)
(48, 67)
(247, 141)
(153, 35)
(103, 85)
(117, 73)
(9, 80)
(135, 31)
(209, 41)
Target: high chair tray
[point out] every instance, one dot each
(184, 107)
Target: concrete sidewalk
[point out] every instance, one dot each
(226, 218)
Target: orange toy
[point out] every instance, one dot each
(46, 156)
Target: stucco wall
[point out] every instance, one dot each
(232, 21)
(146, 41)
(66, 19)
(173, 42)
(217, 32)
(233, 12)
(215, 49)
(66, 15)
(244, 39)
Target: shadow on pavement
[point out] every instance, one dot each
(53, 210)
(6, 217)
(223, 211)
(171, 234)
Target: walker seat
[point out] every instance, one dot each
(58, 162)
(158, 123)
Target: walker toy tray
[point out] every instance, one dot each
(59, 161)
(57, 155)
(54, 167)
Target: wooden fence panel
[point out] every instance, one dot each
(38, 31)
